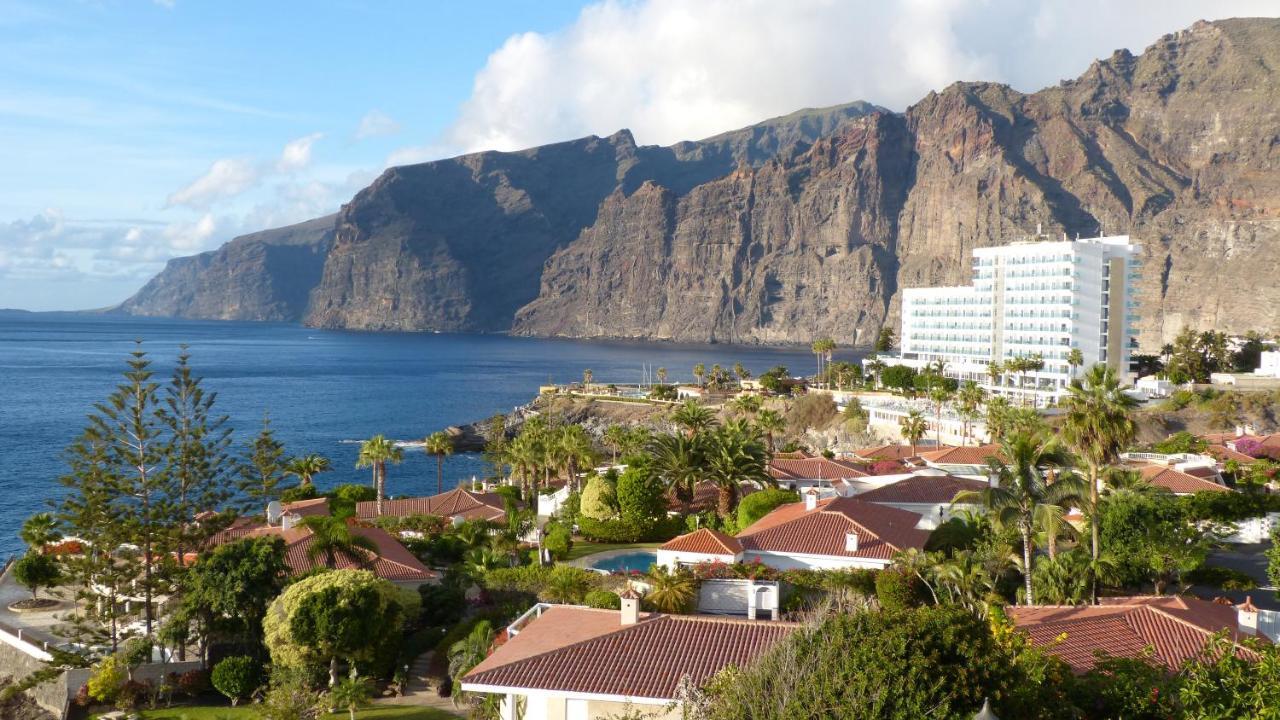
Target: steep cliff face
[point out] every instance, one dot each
(1179, 147)
(808, 224)
(761, 255)
(267, 275)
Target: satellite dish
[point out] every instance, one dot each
(274, 511)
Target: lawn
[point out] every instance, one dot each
(204, 712)
(582, 549)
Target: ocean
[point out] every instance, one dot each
(323, 390)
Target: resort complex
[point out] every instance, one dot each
(1034, 313)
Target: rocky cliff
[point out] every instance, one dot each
(266, 275)
(809, 224)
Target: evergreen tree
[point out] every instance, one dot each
(195, 455)
(262, 469)
(128, 424)
(89, 512)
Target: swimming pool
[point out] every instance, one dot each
(638, 561)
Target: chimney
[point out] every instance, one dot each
(851, 541)
(630, 610)
(810, 499)
(1247, 617)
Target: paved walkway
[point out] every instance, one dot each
(420, 691)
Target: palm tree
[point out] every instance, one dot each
(940, 396)
(661, 373)
(331, 537)
(913, 427)
(694, 418)
(306, 467)
(822, 348)
(770, 422)
(574, 449)
(1020, 489)
(969, 398)
(748, 405)
(1097, 426)
(734, 456)
(351, 693)
(995, 369)
(671, 592)
(439, 444)
(741, 373)
(700, 372)
(615, 437)
(677, 461)
(587, 375)
(875, 367)
(1051, 524)
(40, 530)
(1075, 359)
(1119, 481)
(468, 653)
(375, 453)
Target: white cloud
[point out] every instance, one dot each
(297, 153)
(230, 177)
(673, 70)
(376, 123)
(226, 178)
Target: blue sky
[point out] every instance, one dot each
(133, 131)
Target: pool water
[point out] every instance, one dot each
(635, 561)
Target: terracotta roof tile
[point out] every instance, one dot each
(392, 561)
(1176, 628)
(457, 502)
(1223, 453)
(962, 455)
(885, 452)
(812, 468)
(705, 541)
(645, 660)
(307, 508)
(1178, 482)
(923, 488)
(881, 530)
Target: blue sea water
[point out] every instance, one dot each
(321, 389)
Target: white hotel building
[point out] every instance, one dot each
(1028, 299)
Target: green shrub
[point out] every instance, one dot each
(106, 679)
(896, 590)
(1221, 577)
(557, 540)
(626, 531)
(236, 677)
(599, 498)
(758, 504)
(602, 599)
(36, 570)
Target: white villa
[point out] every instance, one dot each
(1028, 299)
(814, 534)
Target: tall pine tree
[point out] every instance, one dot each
(262, 469)
(196, 462)
(128, 423)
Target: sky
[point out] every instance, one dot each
(134, 131)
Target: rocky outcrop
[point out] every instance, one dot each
(809, 224)
(267, 275)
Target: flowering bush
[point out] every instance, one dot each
(1249, 446)
(886, 467)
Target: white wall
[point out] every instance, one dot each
(671, 559)
(812, 562)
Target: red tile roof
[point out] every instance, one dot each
(457, 502)
(307, 508)
(812, 468)
(644, 660)
(923, 488)
(1176, 628)
(1178, 482)
(881, 530)
(885, 452)
(962, 455)
(392, 561)
(705, 541)
(1223, 454)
